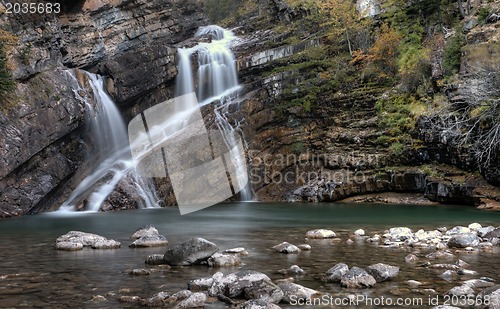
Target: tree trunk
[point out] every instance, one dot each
(348, 41)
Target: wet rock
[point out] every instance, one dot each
(493, 294)
(144, 231)
(305, 247)
(478, 283)
(359, 232)
(447, 275)
(157, 300)
(335, 273)
(463, 240)
(413, 283)
(357, 278)
(462, 290)
(458, 230)
(129, 299)
(320, 234)
(155, 259)
(257, 304)
(98, 298)
(244, 279)
(264, 290)
(139, 272)
(484, 231)
(239, 251)
(181, 295)
(462, 264)
(440, 255)
(466, 272)
(294, 270)
(82, 239)
(474, 226)
(349, 241)
(149, 241)
(223, 260)
(196, 300)
(382, 272)
(203, 284)
(444, 266)
(294, 292)
(286, 248)
(399, 234)
(411, 258)
(193, 251)
(493, 234)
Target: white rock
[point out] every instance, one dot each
(360, 232)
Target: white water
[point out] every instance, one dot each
(217, 82)
(111, 151)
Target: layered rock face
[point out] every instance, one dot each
(42, 137)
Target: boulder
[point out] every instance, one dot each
(234, 284)
(155, 259)
(286, 248)
(294, 270)
(223, 260)
(139, 272)
(484, 231)
(493, 234)
(383, 272)
(357, 278)
(305, 247)
(294, 292)
(320, 234)
(203, 284)
(195, 300)
(76, 240)
(411, 258)
(474, 226)
(144, 231)
(478, 283)
(157, 300)
(462, 290)
(257, 304)
(181, 295)
(359, 232)
(335, 273)
(458, 230)
(149, 241)
(440, 255)
(264, 290)
(399, 234)
(193, 251)
(463, 240)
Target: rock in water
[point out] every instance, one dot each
(399, 234)
(294, 292)
(320, 234)
(383, 272)
(196, 300)
(335, 273)
(143, 231)
(149, 241)
(286, 248)
(257, 304)
(357, 278)
(463, 240)
(193, 251)
(76, 240)
(223, 260)
(264, 290)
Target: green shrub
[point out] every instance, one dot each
(6, 82)
(396, 149)
(482, 15)
(453, 54)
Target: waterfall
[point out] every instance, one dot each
(110, 149)
(218, 82)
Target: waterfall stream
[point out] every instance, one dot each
(110, 149)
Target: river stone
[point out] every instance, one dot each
(305, 247)
(411, 258)
(139, 272)
(129, 299)
(98, 298)
(474, 226)
(359, 232)
(181, 295)
(447, 275)
(203, 284)
(264, 290)
(382, 272)
(335, 273)
(462, 290)
(463, 240)
(286, 248)
(196, 300)
(357, 278)
(85, 240)
(478, 283)
(157, 300)
(292, 270)
(458, 230)
(493, 234)
(244, 279)
(440, 255)
(68, 246)
(399, 234)
(320, 234)
(223, 260)
(467, 272)
(239, 251)
(257, 304)
(155, 259)
(193, 251)
(444, 266)
(294, 292)
(144, 231)
(484, 231)
(149, 241)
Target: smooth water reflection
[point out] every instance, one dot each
(33, 274)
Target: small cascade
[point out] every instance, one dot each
(217, 81)
(110, 149)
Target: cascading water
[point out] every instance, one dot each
(217, 82)
(111, 149)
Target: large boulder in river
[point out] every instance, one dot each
(463, 240)
(76, 240)
(193, 251)
(357, 278)
(143, 231)
(493, 234)
(382, 272)
(335, 273)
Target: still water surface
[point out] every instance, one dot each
(34, 275)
